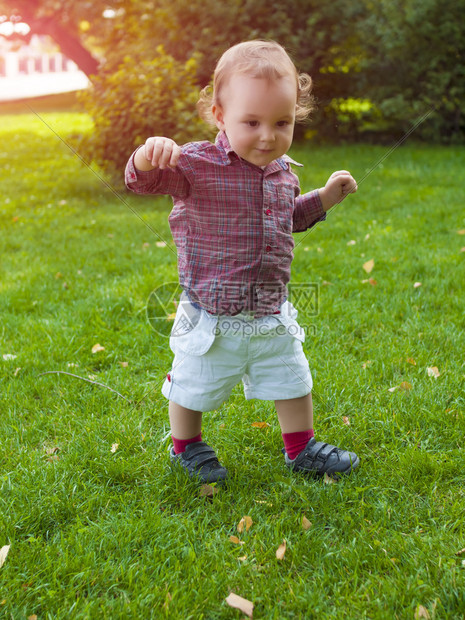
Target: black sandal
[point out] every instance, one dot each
(200, 461)
(320, 458)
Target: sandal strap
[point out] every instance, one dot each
(199, 455)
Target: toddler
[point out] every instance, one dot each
(236, 204)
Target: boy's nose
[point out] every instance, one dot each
(267, 134)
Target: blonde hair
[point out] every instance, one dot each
(259, 59)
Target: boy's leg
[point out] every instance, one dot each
(185, 423)
(195, 456)
(296, 414)
(301, 451)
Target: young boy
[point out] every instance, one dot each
(236, 205)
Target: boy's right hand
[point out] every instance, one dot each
(161, 152)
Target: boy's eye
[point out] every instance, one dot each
(283, 123)
(252, 123)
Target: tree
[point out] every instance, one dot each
(59, 20)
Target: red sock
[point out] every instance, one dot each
(179, 445)
(294, 443)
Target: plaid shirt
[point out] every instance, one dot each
(232, 223)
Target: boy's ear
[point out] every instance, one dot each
(218, 116)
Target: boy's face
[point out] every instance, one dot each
(258, 116)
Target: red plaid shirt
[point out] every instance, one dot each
(232, 223)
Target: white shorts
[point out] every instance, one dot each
(212, 354)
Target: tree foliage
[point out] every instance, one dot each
(378, 65)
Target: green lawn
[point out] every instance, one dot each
(98, 531)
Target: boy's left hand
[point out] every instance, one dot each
(339, 185)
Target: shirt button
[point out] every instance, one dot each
(268, 211)
(268, 248)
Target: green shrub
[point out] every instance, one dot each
(138, 99)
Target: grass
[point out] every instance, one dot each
(101, 534)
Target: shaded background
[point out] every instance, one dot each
(378, 67)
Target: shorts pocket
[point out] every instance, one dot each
(193, 330)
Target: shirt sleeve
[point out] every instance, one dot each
(308, 211)
(167, 181)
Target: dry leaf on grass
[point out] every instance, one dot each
(368, 266)
(3, 553)
(235, 540)
(306, 524)
(417, 285)
(410, 360)
(97, 348)
(244, 522)
(366, 364)
(114, 447)
(206, 490)
(236, 601)
(346, 420)
(433, 372)
(260, 424)
(328, 480)
(405, 386)
(461, 231)
(281, 550)
(461, 552)
(9, 356)
(422, 612)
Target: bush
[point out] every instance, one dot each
(138, 99)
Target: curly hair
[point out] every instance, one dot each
(259, 59)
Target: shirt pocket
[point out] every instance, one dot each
(285, 207)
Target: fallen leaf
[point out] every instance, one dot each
(114, 447)
(410, 360)
(97, 348)
(326, 283)
(366, 364)
(9, 356)
(242, 558)
(422, 612)
(306, 524)
(3, 553)
(281, 550)
(368, 266)
(367, 236)
(405, 385)
(236, 601)
(346, 420)
(58, 275)
(33, 617)
(260, 424)
(124, 364)
(207, 490)
(433, 372)
(16, 372)
(244, 522)
(161, 244)
(417, 285)
(461, 231)
(235, 540)
(462, 249)
(461, 552)
(393, 389)
(351, 242)
(328, 480)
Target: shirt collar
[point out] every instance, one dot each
(282, 163)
